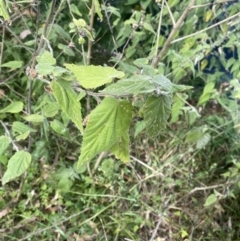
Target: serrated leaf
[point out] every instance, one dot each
(94, 76)
(121, 148)
(98, 9)
(132, 86)
(14, 107)
(4, 143)
(13, 64)
(67, 99)
(33, 118)
(156, 112)
(210, 200)
(164, 83)
(21, 128)
(106, 125)
(46, 58)
(17, 165)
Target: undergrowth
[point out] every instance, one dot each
(119, 120)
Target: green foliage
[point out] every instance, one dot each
(72, 127)
(107, 129)
(91, 77)
(14, 107)
(67, 99)
(17, 165)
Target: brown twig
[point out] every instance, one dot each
(170, 37)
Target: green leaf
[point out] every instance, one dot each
(107, 167)
(14, 107)
(59, 128)
(133, 86)
(74, 9)
(178, 103)
(156, 112)
(203, 141)
(17, 165)
(209, 89)
(148, 27)
(94, 76)
(46, 58)
(107, 125)
(121, 148)
(44, 69)
(210, 200)
(98, 9)
(140, 126)
(61, 32)
(4, 143)
(67, 99)
(21, 128)
(33, 118)
(3, 11)
(193, 136)
(13, 64)
(51, 109)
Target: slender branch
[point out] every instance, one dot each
(159, 28)
(170, 37)
(92, 12)
(205, 29)
(2, 47)
(15, 147)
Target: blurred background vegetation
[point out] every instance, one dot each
(182, 184)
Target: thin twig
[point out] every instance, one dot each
(101, 156)
(142, 163)
(15, 147)
(158, 58)
(92, 13)
(205, 29)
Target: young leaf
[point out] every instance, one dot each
(14, 107)
(33, 118)
(156, 112)
(67, 99)
(21, 128)
(3, 11)
(46, 58)
(17, 165)
(107, 124)
(4, 143)
(94, 76)
(98, 9)
(210, 200)
(209, 89)
(178, 103)
(13, 64)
